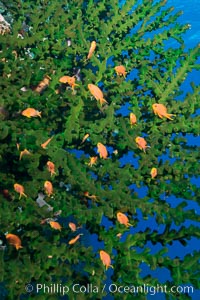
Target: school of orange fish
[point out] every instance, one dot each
(159, 109)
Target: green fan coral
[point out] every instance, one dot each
(50, 40)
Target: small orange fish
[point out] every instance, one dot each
(123, 219)
(85, 138)
(70, 80)
(105, 258)
(141, 143)
(72, 226)
(24, 152)
(93, 197)
(101, 149)
(91, 50)
(120, 70)
(73, 241)
(14, 240)
(153, 173)
(48, 188)
(19, 189)
(51, 168)
(43, 84)
(55, 225)
(96, 93)
(31, 112)
(92, 161)
(161, 111)
(133, 119)
(44, 145)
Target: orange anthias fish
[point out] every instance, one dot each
(70, 80)
(101, 149)
(92, 161)
(24, 152)
(43, 84)
(133, 119)
(96, 93)
(14, 240)
(123, 219)
(31, 112)
(72, 226)
(120, 70)
(93, 197)
(74, 240)
(51, 168)
(55, 225)
(153, 173)
(161, 111)
(91, 50)
(48, 188)
(86, 136)
(141, 143)
(19, 189)
(105, 258)
(44, 145)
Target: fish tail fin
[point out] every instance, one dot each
(102, 100)
(24, 195)
(18, 247)
(39, 114)
(129, 224)
(168, 116)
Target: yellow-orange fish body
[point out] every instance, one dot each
(105, 258)
(31, 112)
(120, 70)
(55, 225)
(161, 111)
(72, 226)
(74, 240)
(24, 152)
(44, 145)
(43, 84)
(123, 219)
(101, 149)
(96, 93)
(133, 119)
(92, 197)
(48, 188)
(141, 143)
(92, 161)
(19, 189)
(153, 173)
(86, 136)
(14, 240)
(71, 80)
(51, 168)
(92, 49)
